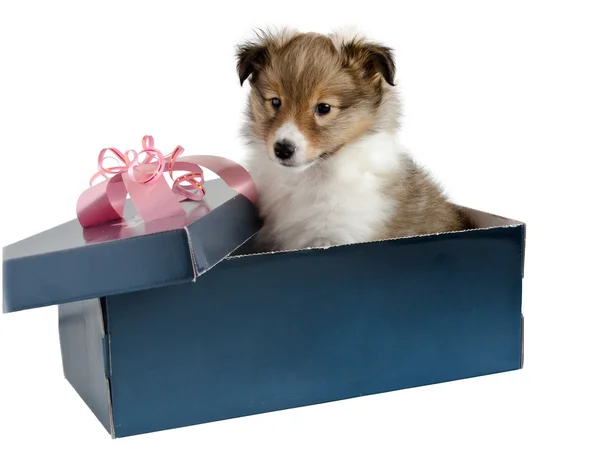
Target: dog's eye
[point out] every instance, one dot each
(276, 103)
(323, 108)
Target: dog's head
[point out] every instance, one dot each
(311, 94)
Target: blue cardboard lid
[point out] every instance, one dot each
(69, 263)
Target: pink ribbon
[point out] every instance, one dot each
(141, 175)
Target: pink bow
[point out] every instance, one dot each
(141, 175)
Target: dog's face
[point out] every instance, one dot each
(310, 96)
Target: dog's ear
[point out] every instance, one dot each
(374, 59)
(251, 58)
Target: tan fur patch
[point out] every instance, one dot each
(424, 207)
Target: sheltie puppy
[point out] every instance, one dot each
(321, 125)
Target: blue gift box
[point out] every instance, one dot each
(176, 322)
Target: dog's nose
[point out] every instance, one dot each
(284, 149)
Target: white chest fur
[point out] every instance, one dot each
(337, 201)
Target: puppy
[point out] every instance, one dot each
(321, 124)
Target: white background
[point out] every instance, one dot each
(501, 102)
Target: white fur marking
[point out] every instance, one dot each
(290, 132)
(337, 201)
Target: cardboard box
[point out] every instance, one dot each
(152, 339)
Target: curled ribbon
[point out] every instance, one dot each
(141, 175)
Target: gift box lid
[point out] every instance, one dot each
(69, 263)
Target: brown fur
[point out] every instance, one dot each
(307, 69)
(425, 208)
(356, 78)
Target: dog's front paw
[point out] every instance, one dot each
(320, 243)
